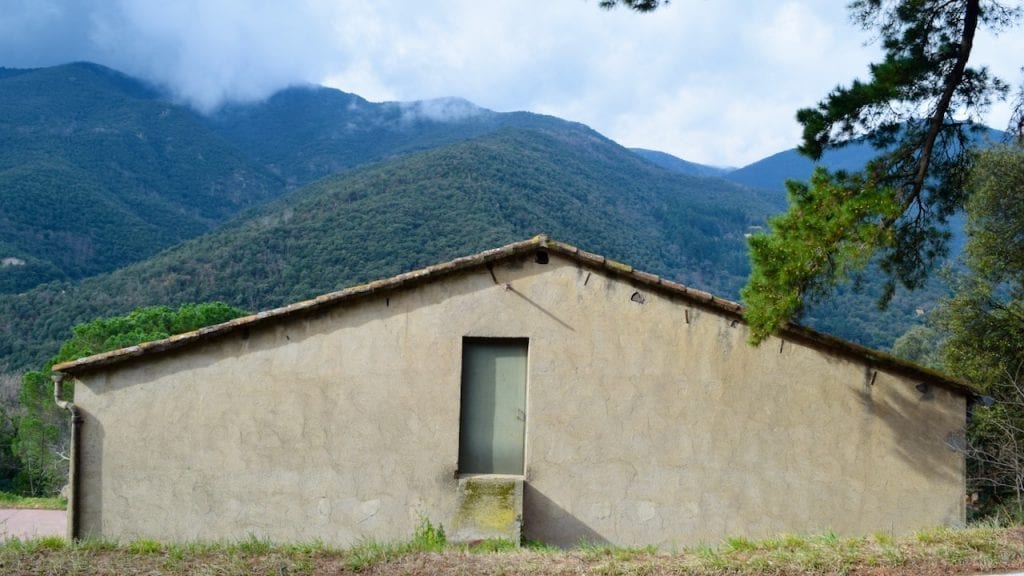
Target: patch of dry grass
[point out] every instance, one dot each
(934, 552)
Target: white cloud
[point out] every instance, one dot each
(211, 51)
(440, 109)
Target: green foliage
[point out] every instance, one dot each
(9, 463)
(253, 545)
(306, 133)
(429, 538)
(141, 325)
(912, 187)
(829, 231)
(975, 549)
(921, 344)
(11, 500)
(97, 170)
(739, 544)
(985, 326)
(986, 318)
(418, 210)
(679, 165)
(42, 440)
(52, 543)
(145, 546)
(513, 175)
(851, 310)
(426, 538)
(41, 443)
(83, 143)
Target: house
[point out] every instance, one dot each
(609, 405)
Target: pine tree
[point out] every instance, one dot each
(918, 109)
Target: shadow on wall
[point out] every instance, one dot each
(921, 441)
(907, 414)
(89, 492)
(545, 521)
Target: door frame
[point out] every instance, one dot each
(468, 341)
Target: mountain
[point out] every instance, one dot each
(304, 133)
(772, 172)
(418, 209)
(678, 164)
(97, 170)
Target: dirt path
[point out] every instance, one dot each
(24, 524)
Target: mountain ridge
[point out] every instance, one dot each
(671, 162)
(82, 142)
(392, 185)
(381, 219)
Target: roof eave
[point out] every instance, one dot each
(792, 331)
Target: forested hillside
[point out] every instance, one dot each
(305, 133)
(97, 171)
(380, 220)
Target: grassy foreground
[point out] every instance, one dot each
(967, 551)
(9, 500)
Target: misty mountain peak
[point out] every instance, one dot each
(449, 109)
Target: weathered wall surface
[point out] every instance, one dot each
(647, 422)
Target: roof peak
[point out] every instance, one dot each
(700, 298)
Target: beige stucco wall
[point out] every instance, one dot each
(646, 423)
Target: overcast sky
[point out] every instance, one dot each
(711, 81)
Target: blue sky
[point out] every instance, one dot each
(712, 81)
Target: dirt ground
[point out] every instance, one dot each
(24, 524)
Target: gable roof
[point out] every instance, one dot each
(792, 331)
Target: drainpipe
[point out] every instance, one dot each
(76, 426)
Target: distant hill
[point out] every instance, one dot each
(677, 164)
(772, 172)
(97, 171)
(416, 210)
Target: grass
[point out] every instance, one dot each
(8, 500)
(941, 551)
